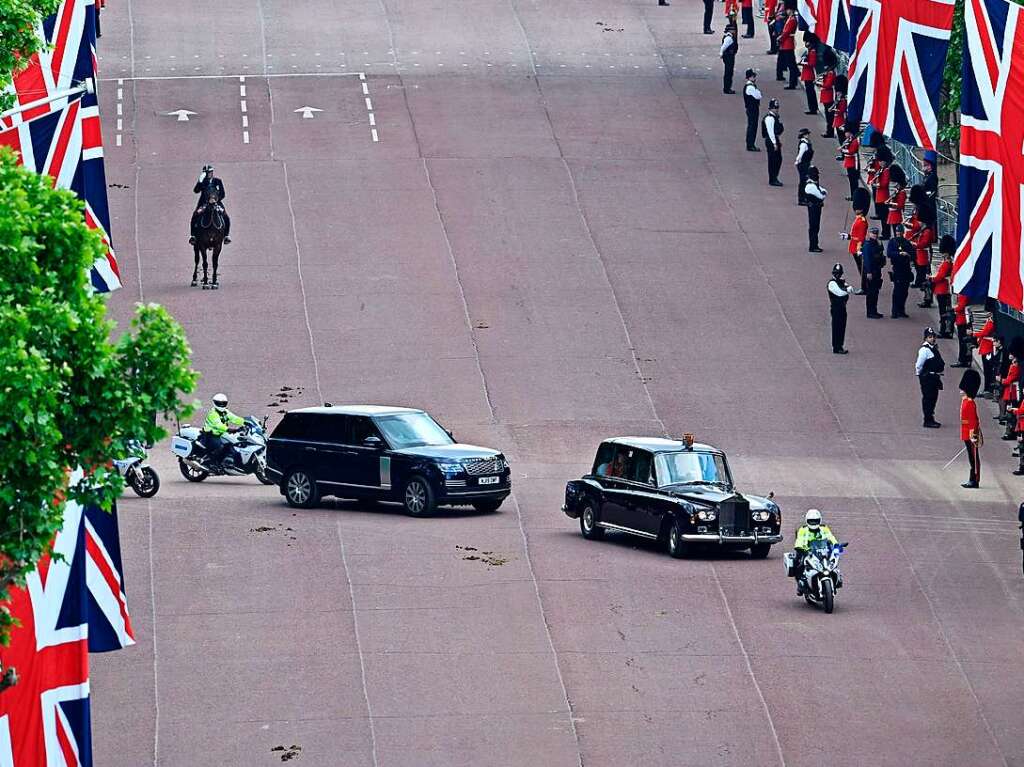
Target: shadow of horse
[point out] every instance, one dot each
(209, 239)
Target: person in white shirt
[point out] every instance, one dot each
(838, 295)
(771, 132)
(814, 195)
(728, 50)
(752, 105)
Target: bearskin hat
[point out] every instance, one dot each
(883, 152)
(917, 195)
(861, 200)
(842, 84)
(947, 244)
(897, 175)
(970, 382)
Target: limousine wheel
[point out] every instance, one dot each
(676, 544)
(588, 522)
(418, 498)
(300, 489)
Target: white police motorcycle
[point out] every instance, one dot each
(819, 577)
(140, 476)
(247, 454)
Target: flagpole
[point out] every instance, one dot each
(86, 87)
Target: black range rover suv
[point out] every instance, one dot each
(382, 453)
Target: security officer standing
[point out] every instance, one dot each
(900, 251)
(709, 11)
(838, 295)
(728, 50)
(771, 132)
(752, 105)
(787, 49)
(804, 156)
(929, 369)
(941, 287)
(814, 199)
(873, 261)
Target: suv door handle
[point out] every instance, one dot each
(309, 449)
(349, 452)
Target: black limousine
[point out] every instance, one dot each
(385, 454)
(675, 491)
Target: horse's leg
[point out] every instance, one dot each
(206, 277)
(216, 260)
(195, 271)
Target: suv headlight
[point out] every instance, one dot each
(450, 469)
(707, 515)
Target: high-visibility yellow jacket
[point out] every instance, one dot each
(805, 535)
(216, 424)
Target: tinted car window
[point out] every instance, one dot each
(618, 463)
(292, 426)
(639, 467)
(603, 459)
(361, 428)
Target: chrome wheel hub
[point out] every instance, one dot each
(415, 497)
(299, 488)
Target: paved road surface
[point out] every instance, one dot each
(535, 220)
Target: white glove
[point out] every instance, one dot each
(202, 175)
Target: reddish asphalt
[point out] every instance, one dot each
(557, 238)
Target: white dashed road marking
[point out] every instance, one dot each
(369, 108)
(245, 109)
(120, 111)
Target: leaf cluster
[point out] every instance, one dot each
(70, 393)
(19, 38)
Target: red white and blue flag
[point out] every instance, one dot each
(990, 257)
(829, 20)
(67, 62)
(110, 627)
(899, 52)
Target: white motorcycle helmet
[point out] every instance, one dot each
(220, 402)
(813, 519)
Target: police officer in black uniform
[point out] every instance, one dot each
(838, 295)
(206, 185)
(929, 369)
(900, 253)
(771, 132)
(814, 199)
(804, 156)
(752, 105)
(872, 262)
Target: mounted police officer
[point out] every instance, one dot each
(210, 189)
(838, 295)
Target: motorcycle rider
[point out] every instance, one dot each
(219, 421)
(812, 530)
(206, 186)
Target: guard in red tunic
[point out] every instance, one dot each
(771, 9)
(747, 17)
(880, 183)
(963, 330)
(897, 200)
(985, 339)
(732, 8)
(850, 153)
(858, 233)
(940, 286)
(808, 64)
(828, 99)
(1008, 396)
(839, 122)
(1018, 413)
(787, 49)
(970, 426)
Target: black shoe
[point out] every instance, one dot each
(904, 315)
(802, 204)
(958, 365)
(728, 91)
(663, 2)
(924, 305)
(709, 31)
(775, 183)
(840, 351)
(1017, 472)
(828, 135)
(810, 113)
(789, 88)
(815, 250)
(945, 335)
(970, 485)
(876, 316)
(227, 240)
(1008, 437)
(753, 149)
(780, 79)
(191, 240)
(932, 424)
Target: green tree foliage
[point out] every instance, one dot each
(70, 393)
(952, 80)
(19, 21)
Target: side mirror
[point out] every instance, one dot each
(446, 431)
(373, 442)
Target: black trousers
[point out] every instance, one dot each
(963, 348)
(773, 44)
(813, 223)
(774, 161)
(900, 289)
(830, 113)
(787, 63)
(882, 211)
(945, 315)
(838, 328)
(747, 16)
(853, 176)
(872, 288)
(988, 371)
(709, 11)
(812, 97)
(752, 116)
(974, 459)
(929, 395)
(730, 67)
(801, 172)
(920, 275)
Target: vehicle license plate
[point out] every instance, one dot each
(489, 480)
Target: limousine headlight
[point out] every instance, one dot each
(760, 516)
(707, 515)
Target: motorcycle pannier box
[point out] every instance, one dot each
(182, 447)
(789, 560)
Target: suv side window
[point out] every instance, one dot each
(327, 427)
(292, 426)
(361, 428)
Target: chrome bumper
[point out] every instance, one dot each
(754, 540)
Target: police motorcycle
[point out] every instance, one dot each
(818, 577)
(140, 476)
(247, 454)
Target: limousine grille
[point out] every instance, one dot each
(734, 517)
(482, 466)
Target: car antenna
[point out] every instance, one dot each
(328, 404)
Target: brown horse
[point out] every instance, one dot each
(209, 237)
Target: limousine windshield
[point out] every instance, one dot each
(691, 467)
(404, 430)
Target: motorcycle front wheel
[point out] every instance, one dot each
(828, 595)
(261, 473)
(191, 473)
(144, 482)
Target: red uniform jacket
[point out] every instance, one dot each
(1012, 376)
(968, 417)
(747, 3)
(882, 185)
(770, 7)
(839, 119)
(807, 67)
(984, 336)
(858, 233)
(872, 171)
(960, 311)
(731, 6)
(923, 241)
(940, 282)
(850, 156)
(828, 83)
(899, 199)
(787, 40)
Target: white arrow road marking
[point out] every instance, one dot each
(182, 114)
(307, 112)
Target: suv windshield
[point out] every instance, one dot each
(412, 430)
(692, 468)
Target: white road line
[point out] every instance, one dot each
(369, 105)
(373, 135)
(373, 120)
(245, 137)
(241, 91)
(366, 91)
(232, 76)
(120, 110)
(117, 139)
(245, 121)
(244, 107)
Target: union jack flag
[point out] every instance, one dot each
(899, 52)
(68, 61)
(44, 718)
(110, 627)
(990, 258)
(829, 20)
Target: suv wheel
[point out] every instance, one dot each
(418, 498)
(300, 489)
(589, 520)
